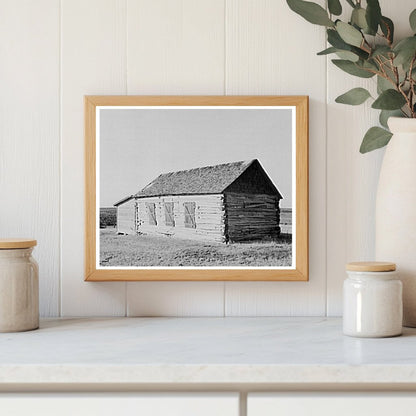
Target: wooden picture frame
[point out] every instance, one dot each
(95, 271)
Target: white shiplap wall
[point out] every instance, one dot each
(30, 134)
(54, 52)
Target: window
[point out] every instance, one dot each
(169, 215)
(189, 214)
(151, 212)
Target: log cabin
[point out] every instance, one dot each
(231, 202)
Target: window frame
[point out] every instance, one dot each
(189, 214)
(151, 219)
(169, 214)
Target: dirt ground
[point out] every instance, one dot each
(142, 250)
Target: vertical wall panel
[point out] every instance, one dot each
(352, 177)
(93, 62)
(272, 51)
(176, 47)
(173, 47)
(29, 134)
(175, 299)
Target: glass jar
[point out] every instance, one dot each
(372, 300)
(19, 286)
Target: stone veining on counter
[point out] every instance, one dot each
(205, 351)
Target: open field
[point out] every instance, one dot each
(142, 250)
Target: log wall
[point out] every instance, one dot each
(209, 217)
(252, 217)
(126, 212)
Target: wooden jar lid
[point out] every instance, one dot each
(11, 243)
(371, 266)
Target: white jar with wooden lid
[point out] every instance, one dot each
(19, 286)
(372, 300)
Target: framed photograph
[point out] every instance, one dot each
(196, 188)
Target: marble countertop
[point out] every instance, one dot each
(203, 351)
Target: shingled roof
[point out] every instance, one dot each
(204, 180)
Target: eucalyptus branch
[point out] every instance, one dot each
(366, 47)
(369, 46)
(385, 75)
(380, 64)
(406, 97)
(395, 71)
(387, 38)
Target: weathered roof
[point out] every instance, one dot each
(203, 180)
(125, 199)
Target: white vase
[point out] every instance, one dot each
(396, 210)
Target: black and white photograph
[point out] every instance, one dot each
(195, 187)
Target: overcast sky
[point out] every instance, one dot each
(137, 145)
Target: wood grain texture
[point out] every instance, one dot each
(258, 53)
(29, 135)
(93, 61)
(13, 243)
(352, 177)
(300, 271)
(370, 266)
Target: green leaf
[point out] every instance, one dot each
(412, 20)
(383, 84)
(405, 50)
(350, 56)
(356, 96)
(373, 15)
(389, 100)
(327, 51)
(381, 50)
(386, 114)
(360, 52)
(336, 41)
(311, 12)
(358, 18)
(334, 7)
(387, 27)
(347, 55)
(370, 65)
(349, 34)
(375, 138)
(352, 68)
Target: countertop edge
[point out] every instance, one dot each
(299, 374)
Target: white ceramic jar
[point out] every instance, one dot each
(19, 286)
(372, 300)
